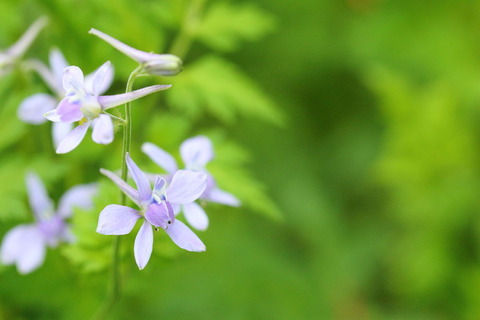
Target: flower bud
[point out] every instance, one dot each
(163, 65)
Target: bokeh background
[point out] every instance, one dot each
(348, 128)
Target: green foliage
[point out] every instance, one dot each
(226, 25)
(217, 87)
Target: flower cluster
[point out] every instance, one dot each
(25, 245)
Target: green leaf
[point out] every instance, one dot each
(226, 25)
(217, 87)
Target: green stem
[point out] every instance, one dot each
(182, 43)
(115, 289)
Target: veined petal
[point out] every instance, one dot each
(80, 196)
(73, 139)
(162, 158)
(59, 131)
(57, 63)
(125, 187)
(196, 152)
(157, 214)
(141, 180)
(41, 204)
(143, 245)
(68, 111)
(108, 102)
(219, 196)
(22, 44)
(117, 220)
(98, 82)
(184, 237)
(186, 186)
(103, 129)
(33, 108)
(32, 252)
(140, 56)
(195, 216)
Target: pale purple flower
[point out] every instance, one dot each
(155, 209)
(196, 152)
(84, 104)
(9, 56)
(25, 245)
(33, 108)
(153, 63)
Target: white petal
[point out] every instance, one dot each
(103, 129)
(73, 80)
(143, 245)
(184, 237)
(33, 108)
(196, 152)
(117, 220)
(33, 251)
(12, 244)
(57, 63)
(195, 216)
(73, 139)
(162, 158)
(59, 131)
(219, 196)
(186, 186)
(80, 196)
(41, 204)
(100, 80)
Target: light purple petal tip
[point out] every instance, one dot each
(141, 180)
(195, 216)
(125, 187)
(33, 108)
(143, 245)
(186, 186)
(80, 196)
(219, 196)
(162, 158)
(108, 102)
(73, 139)
(196, 152)
(41, 204)
(99, 82)
(52, 115)
(184, 237)
(103, 129)
(117, 220)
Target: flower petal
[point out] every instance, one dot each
(33, 250)
(162, 158)
(73, 139)
(186, 186)
(125, 187)
(68, 111)
(196, 152)
(80, 196)
(12, 244)
(184, 237)
(219, 196)
(108, 102)
(157, 214)
(22, 44)
(103, 129)
(99, 82)
(52, 115)
(33, 108)
(141, 180)
(41, 204)
(143, 245)
(57, 63)
(195, 216)
(73, 81)
(59, 131)
(117, 220)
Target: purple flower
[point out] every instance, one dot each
(196, 152)
(84, 104)
(16, 51)
(25, 245)
(33, 108)
(155, 208)
(153, 63)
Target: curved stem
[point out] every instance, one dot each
(115, 289)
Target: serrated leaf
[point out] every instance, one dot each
(226, 25)
(217, 87)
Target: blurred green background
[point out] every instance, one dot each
(348, 128)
